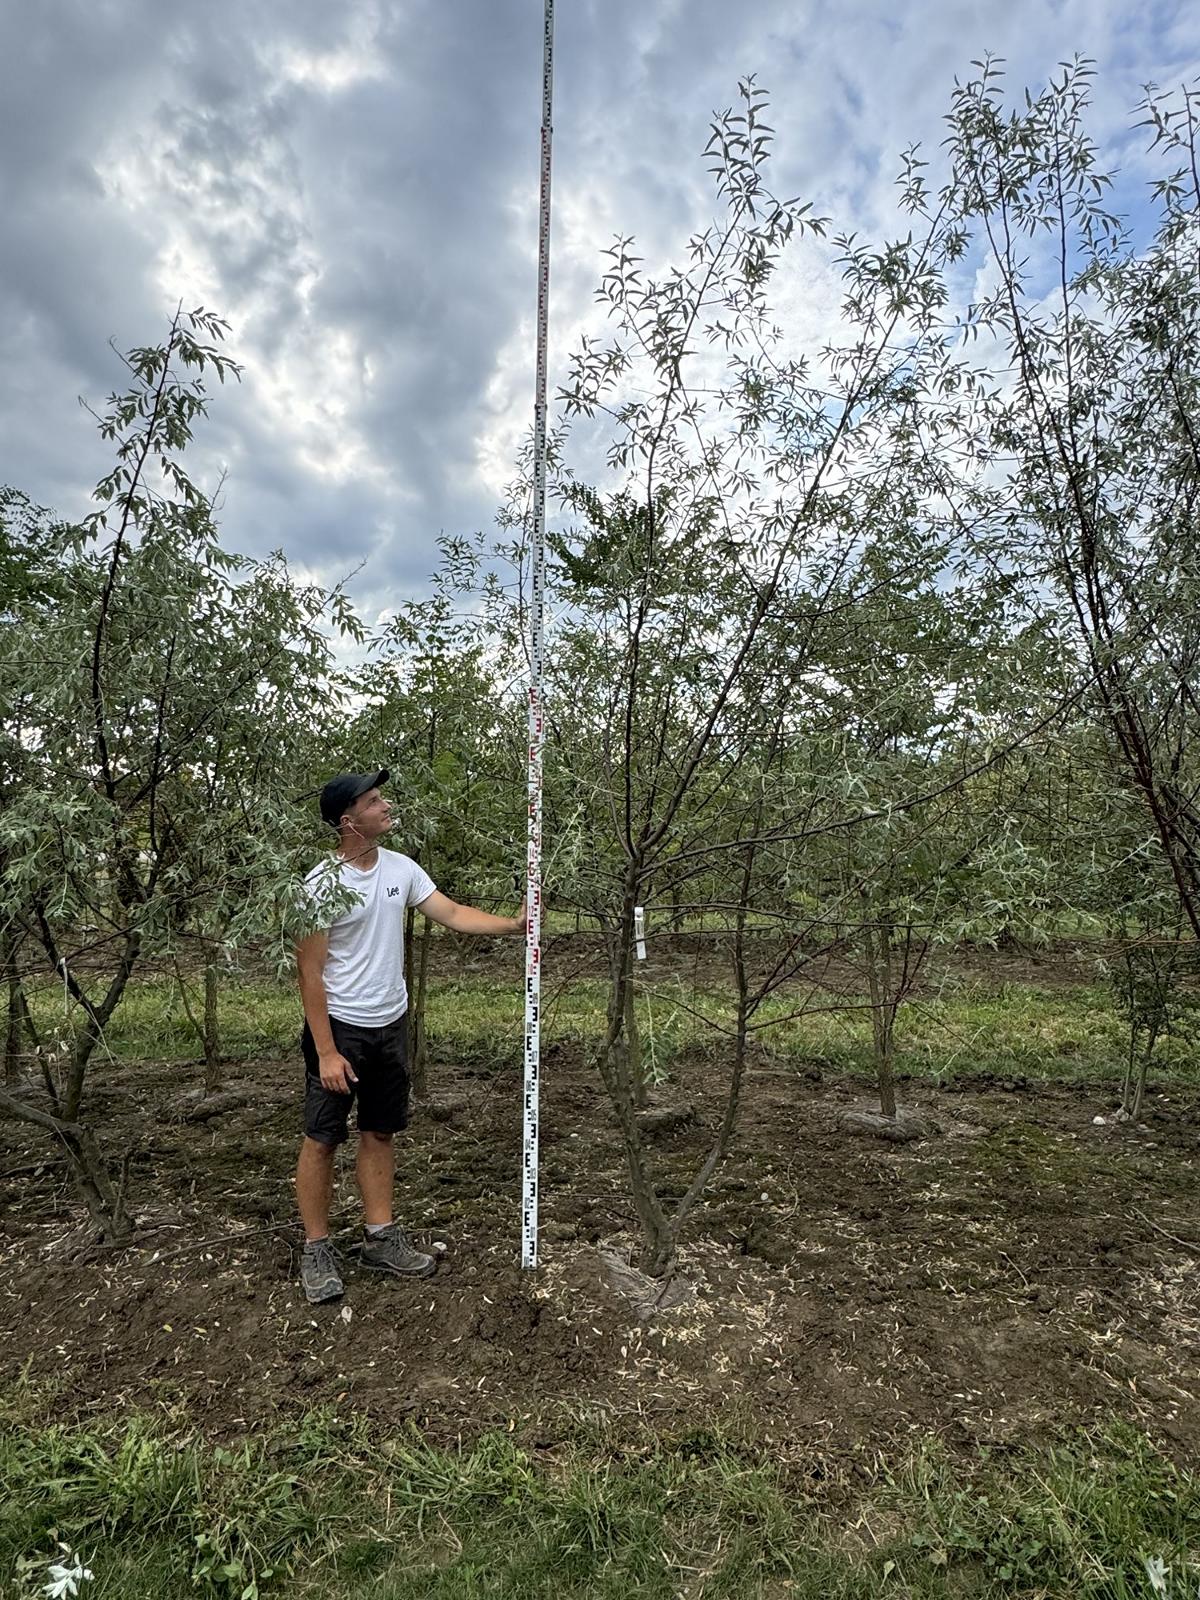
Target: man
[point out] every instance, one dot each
(352, 986)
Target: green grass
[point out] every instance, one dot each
(333, 1509)
(964, 1030)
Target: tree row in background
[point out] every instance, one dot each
(856, 651)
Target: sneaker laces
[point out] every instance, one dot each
(399, 1240)
(391, 1230)
(322, 1255)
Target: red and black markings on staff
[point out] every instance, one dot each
(537, 710)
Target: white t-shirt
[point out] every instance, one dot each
(364, 971)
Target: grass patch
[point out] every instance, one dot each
(329, 1508)
(959, 1031)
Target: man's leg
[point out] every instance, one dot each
(325, 1120)
(320, 1274)
(383, 1111)
(376, 1172)
(325, 1116)
(314, 1187)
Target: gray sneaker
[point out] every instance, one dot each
(319, 1273)
(390, 1251)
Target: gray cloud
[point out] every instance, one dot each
(354, 188)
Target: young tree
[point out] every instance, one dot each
(910, 703)
(162, 685)
(1095, 515)
(28, 574)
(1154, 980)
(701, 595)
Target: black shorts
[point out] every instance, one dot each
(379, 1057)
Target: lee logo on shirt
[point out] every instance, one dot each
(394, 890)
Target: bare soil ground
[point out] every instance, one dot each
(1019, 1269)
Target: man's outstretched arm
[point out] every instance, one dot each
(467, 919)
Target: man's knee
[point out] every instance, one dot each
(317, 1150)
(367, 1137)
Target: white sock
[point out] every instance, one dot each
(373, 1229)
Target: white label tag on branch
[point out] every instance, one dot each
(639, 931)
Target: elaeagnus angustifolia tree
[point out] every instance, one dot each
(28, 573)
(158, 706)
(701, 589)
(1094, 325)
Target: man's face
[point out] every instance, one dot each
(370, 815)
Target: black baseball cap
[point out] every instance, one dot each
(340, 793)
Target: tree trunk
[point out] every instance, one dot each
(1139, 1092)
(206, 1028)
(213, 1075)
(19, 1020)
(105, 1201)
(877, 948)
(633, 1043)
(658, 1235)
(733, 1099)
(12, 1037)
(1130, 1062)
(417, 1053)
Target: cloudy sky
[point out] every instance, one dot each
(353, 186)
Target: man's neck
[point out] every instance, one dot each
(359, 853)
